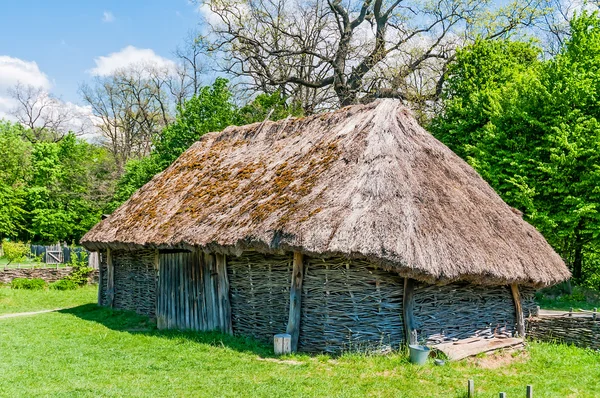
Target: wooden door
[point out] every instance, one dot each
(193, 292)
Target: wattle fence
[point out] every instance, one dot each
(578, 328)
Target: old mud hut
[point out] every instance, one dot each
(352, 229)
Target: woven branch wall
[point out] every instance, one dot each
(459, 310)
(528, 301)
(135, 281)
(260, 294)
(349, 305)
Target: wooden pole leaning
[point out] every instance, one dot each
(514, 288)
(407, 311)
(293, 326)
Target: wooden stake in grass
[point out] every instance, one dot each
(502, 395)
(470, 389)
(282, 344)
(529, 391)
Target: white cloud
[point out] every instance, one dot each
(107, 17)
(13, 71)
(128, 57)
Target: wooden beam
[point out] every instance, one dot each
(293, 326)
(100, 276)
(408, 303)
(110, 282)
(223, 294)
(157, 310)
(514, 288)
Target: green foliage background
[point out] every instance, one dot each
(530, 128)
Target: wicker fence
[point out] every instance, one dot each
(580, 329)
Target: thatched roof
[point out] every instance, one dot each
(366, 181)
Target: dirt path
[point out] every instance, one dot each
(17, 314)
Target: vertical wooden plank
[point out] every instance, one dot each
(180, 285)
(183, 290)
(407, 311)
(198, 289)
(201, 292)
(157, 288)
(209, 292)
(167, 293)
(159, 298)
(186, 291)
(192, 291)
(172, 318)
(471, 389)
(529, 391)
(223, 294)
(100, 281)
(514, 288)
(110, 283)
(293, 326)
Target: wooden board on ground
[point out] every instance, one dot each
(461, 349)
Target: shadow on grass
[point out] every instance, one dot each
(130, 322)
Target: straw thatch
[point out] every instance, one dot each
(366, 181)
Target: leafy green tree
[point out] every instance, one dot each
(15, 251)
(14, 170)
(531, 129)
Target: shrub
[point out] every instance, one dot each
(81, 271)
(30, 284)
(63, 284)
(15, 251)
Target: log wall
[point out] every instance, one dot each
(134, 281)
(347, 305)
(460, 310)
(260, 294)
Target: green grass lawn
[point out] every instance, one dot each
(91, 351)
(12, 301)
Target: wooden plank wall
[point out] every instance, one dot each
(193, 292)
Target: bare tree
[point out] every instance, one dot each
(339, 53)
(555, 25)
(191, 55)
(46, 117)
(131, 107)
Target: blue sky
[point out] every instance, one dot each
(65, 39)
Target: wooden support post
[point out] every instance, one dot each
(110, 279)
(514, 288)
(100, 276)
(502, 395)
(595, 314)
(282, 344)
(471, 389)
(223, 295)
(293, 326)
(529, 392)
(407, 311)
